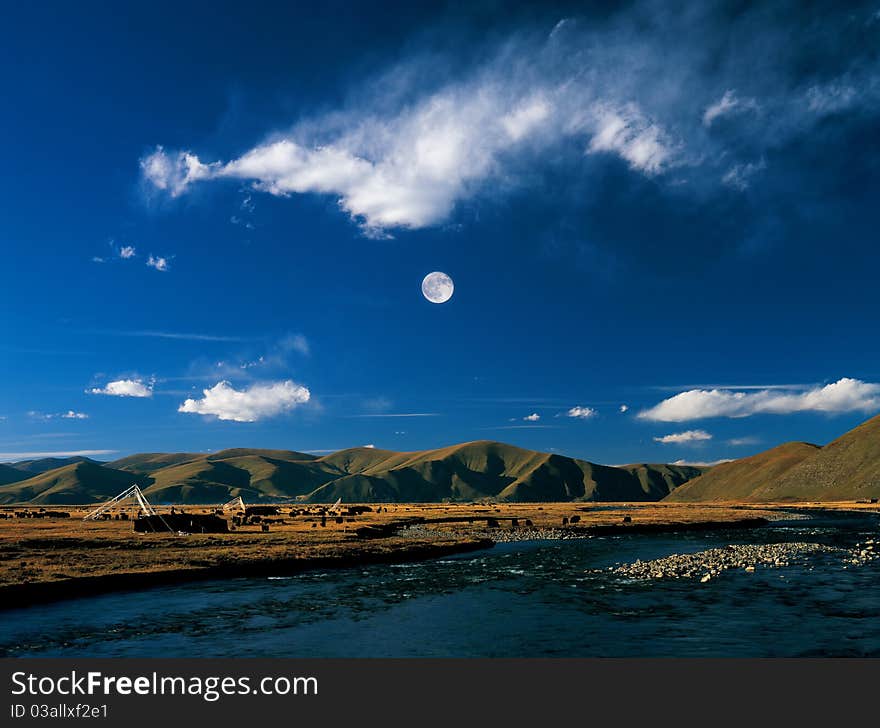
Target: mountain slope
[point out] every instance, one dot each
(846, 469)
(8, 474)
(253, 477)
(659, 479)
(82, 482)
(749, 479)
(466, 472)
(44, 465)
(485, 469)
(148, 462)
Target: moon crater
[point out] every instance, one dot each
(437, 287)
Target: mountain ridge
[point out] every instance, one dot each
(479, 470)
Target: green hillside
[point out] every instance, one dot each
(748, 479)
(82, 482)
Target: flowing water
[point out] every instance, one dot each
(529, 599)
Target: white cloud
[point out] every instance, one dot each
(413, 142)
(125, 388)
(845, 395)
(250, 404)
(683, 438)
(71, 415)
(525, 118)
(158, 262)
(583, 413)
(392, 163)
(370, 446)
(624, 408)
(7, 457)
(172, 172)
(410, 169)
(127, 251)
(534, 417)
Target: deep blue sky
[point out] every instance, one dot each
(633, 203)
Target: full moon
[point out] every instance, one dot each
(437, 287)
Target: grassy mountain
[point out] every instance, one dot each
(474, 471)
(660, 480)
(470, 471)
(749, 479)
(253, 477)
(9, 474)
(846, 469)
(81, 482)
(148, 462)
(43, 465)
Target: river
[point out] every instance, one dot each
(527, 599)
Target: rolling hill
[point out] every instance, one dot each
(43, 465)
(748, 479)
(470, 471)
(9, 474)
(148, 462)
(81, 482)
(846, 469)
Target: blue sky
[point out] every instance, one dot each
(228, 210)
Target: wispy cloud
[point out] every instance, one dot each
(702, 464)
(398, 414)
(844, 395)
(688, 437)
(534, 417)
(728, 104)
(523, 427)
(69, 415)
(186, 336)
(250, 404)
(124, 388)
(742, 441)
(418, 140)
(740, 175)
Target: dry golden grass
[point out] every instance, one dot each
(44, 550)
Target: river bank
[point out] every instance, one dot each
(50, 558)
